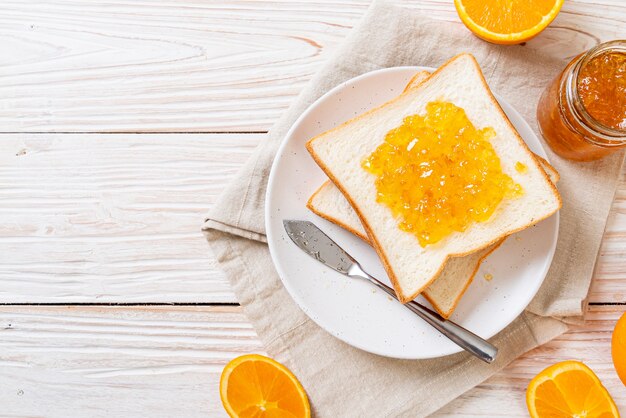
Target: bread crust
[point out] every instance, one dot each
(447, 313)
(416, 80)
(404, 298)
(554, 175)
(329, 217)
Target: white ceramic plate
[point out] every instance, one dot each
(352, 310)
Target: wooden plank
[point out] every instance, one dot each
(117, 362)
(116, 218)
(609, 283)
(181, 65)
(166, 361)
(112, 218)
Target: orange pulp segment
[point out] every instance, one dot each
(569, 389)
(618, 348)
(255, 386)
(507, 21)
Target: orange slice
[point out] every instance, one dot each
(255, 386)
(507, 21)
(569, 389)
(618, 348)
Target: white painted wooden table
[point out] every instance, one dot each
(121, 122)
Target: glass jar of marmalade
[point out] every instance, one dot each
(582, 113)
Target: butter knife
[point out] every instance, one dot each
(310, 239)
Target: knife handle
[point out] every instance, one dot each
(467, 340)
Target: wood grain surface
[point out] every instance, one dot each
(190, 65)
(166, 362)
(112, 218)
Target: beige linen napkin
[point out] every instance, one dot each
(346, 382)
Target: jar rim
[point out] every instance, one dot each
(609, 136)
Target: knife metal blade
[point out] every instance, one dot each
(318, 245)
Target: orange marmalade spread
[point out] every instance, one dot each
(438, 173)
(582, 113)
(521, 167)
(602, 89)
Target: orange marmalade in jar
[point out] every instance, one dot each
(582, 113)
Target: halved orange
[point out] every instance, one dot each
(255, 386)
(569, 389)
(618, 348)
(507, 21)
